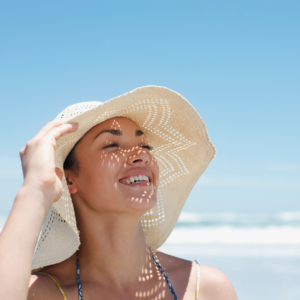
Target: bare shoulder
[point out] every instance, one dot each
(182, 274)
(215, 285)
(42, 287)
(172, 263)
(174, 267)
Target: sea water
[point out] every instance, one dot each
(260, 253)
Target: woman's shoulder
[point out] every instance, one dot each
(42, 287)
(46, 284)
(214, 284)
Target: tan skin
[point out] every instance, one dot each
(115, 261)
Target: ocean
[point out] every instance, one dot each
(260, 253)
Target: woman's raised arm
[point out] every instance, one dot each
(42, 186)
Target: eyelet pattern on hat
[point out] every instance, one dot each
(181, 147)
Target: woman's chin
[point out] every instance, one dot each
(142, 202)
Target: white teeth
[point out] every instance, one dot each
(137, 179)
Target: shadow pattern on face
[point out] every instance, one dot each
(116, 170)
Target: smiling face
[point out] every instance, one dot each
(117, 172)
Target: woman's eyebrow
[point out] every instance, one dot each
(112, 131)
(119, 132)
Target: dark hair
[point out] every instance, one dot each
(71, 162)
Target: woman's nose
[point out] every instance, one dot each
(137, 155)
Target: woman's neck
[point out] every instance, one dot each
(113, 248)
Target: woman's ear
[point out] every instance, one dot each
(70, 182)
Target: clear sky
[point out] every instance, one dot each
(237, 62)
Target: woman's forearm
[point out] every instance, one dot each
(42, 186)
(18, 241)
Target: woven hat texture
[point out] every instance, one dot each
(180, 145)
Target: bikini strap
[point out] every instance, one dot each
(78, 278)
(57, 284)
(198, 279)
(166, 277)
(156, 262)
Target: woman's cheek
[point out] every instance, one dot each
(111, 164)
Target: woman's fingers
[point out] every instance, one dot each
(48, 127)
(60, 125)
(38, 159)
(59, 173)
(58, 132)
(55, 130)
(22, 152)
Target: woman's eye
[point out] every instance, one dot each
(116, 145)
(111, 146)
(147, 147)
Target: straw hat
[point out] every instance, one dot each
(181, 147)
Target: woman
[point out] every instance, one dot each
(96, 162)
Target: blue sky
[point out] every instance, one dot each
(237, 62)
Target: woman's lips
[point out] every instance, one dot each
(139, 184)
(138, 180)
(137, 177)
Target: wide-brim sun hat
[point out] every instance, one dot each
(181, 147)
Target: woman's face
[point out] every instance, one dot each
(117, 172)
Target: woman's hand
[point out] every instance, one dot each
(42, 186)
(38, 160)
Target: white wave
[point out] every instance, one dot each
(230, 235)
(289, 216)
(196, 251)
(279, 183)
(240, 219)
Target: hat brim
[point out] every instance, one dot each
(181, 146)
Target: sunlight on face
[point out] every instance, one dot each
(116, 169)
(118, 174)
